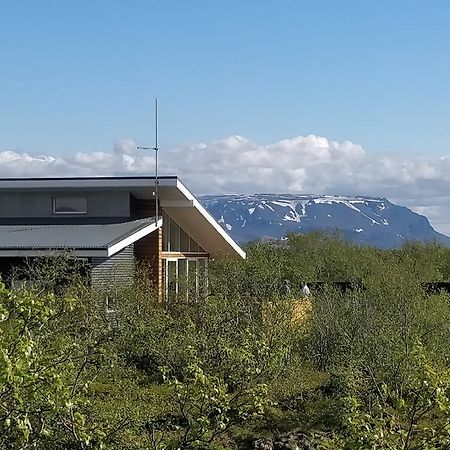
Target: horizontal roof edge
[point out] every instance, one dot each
(224, 241)
(141, 177)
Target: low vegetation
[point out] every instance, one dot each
(361, 364)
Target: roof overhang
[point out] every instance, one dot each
(174, 197)
(199, 224)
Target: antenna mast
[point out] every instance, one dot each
(156, 160)
(156, 148)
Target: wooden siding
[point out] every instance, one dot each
(117, 270)
(148, 250)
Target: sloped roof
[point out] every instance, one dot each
(175, 198)
(82, 240)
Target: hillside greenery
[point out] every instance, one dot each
(364, 363)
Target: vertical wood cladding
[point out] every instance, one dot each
(117, 270)
(149, 249)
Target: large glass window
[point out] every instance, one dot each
(185, 278)
(193, 246)
(184, 267)
(175, 239)
(166, 231)
(182, 278)
(174, 236)
(202, 276)
(69, 205)
(184, 241)
(171, 281)
(192, 279)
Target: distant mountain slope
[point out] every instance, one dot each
(365, 220)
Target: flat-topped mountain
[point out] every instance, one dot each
(364, 220)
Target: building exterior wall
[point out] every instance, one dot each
(177, 264)
(148, 250)
(168, 252)
(141, 208)
(39, 205)
(184, 263)
(115, 271)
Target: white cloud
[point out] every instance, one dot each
(310, 164)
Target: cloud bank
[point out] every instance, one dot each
(310, 164)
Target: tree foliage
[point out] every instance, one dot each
(365, 364)
(43, 400)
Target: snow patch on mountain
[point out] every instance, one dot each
(366, 220)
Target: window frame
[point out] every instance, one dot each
(71, 213)
(197, 278)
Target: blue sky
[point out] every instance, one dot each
(77, 76)
(308, 96)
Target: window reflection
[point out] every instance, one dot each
(175, 239)
(185, 278)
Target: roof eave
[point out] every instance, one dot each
(115, 247)
(106, 251)
(231, 244)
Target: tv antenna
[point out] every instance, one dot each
(155, 148)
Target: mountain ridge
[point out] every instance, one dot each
(366, 220)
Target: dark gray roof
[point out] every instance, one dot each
(69, 236)
(175, 198)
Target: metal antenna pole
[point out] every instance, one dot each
(156, 159)
(156, 148)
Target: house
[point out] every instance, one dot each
(112, 222)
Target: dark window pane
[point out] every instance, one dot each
(174, 236)
(202, 274)
(172, 282)
(192, 279)
(184, 241)
(70, 205)
(193, 246)
(182, 279)
(166, 231)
